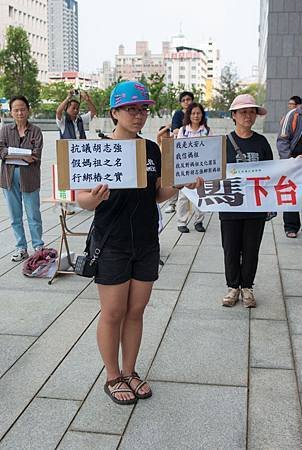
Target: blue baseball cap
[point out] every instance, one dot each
(129, 93)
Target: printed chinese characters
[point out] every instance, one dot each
(94, 162)
(197, 157)
(216, 192)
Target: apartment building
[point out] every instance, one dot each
(32, 16)
(132, 66)
(63, 39)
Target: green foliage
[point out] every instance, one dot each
(1, 87)
(101, 99)
(165, 96)
(20, 70)
(229, 88)
(156, 86)
(170, 98)
(52, 95)
(55, 92)
(198, 94)
(257, 90)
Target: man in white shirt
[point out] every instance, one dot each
(70, 123)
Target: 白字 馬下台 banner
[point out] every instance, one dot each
(260, 186)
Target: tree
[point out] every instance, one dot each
(228, 90)
(55, 92)
(170, 98)
(198, 94)
(20, 70)
(51, 96)
(156, 85)
(257, 90)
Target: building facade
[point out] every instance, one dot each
(133, 66)
(180, 64)
(213, 70)
(185, 65)
(280, 56)
(31, 15)
(79, 80)
(63, 36)
(106, 75)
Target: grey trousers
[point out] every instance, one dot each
(183, 211)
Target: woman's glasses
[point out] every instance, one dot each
(143, 111)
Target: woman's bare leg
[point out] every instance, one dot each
(114, 301)
(132, 326)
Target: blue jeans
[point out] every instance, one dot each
(31, 202)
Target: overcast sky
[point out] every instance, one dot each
(104, 25)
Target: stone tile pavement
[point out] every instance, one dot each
(222, 378)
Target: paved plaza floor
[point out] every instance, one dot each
(222, 378)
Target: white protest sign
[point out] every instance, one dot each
(255, 186)
(83, 164)
(187, 158)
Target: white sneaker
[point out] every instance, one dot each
(20, 254)
(231, 298)
(248, 298)
(170, 209)
(40, 247)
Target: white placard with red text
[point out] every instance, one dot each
(254, 186)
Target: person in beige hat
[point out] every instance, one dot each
(241, 232)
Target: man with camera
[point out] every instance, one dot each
(70, 122)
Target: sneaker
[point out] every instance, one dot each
(183, 229)
(199, 227)
(231, 298)
(248, 298)
(20, 254)
(40, 247)
(170, 209)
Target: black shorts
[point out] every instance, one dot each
(116, 266)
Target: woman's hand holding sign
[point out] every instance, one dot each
(90, 199)
(196, 185)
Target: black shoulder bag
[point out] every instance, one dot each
(86, 264)
(242, 158)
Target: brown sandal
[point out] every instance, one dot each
(117, 385)
(134, 376)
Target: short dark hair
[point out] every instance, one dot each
(296, 99)
(72, 100)
(114, 120)
(187, 116)
(18, 97)
(164, 126)
(184, 94)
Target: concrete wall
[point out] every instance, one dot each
(284, 58)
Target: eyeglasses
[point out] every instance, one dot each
(136, 111)
(291, 104)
